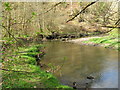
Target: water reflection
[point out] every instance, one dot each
(81, 62)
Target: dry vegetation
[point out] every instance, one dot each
(25, 18)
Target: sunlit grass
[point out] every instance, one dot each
(110, 41)
(29, 75)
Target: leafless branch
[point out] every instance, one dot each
(118, 21)
(111, 26)
(9, 32)
(82, 10)
(51, 8)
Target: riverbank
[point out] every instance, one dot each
(20, 70)
(109, 40)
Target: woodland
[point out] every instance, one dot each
(28, 27)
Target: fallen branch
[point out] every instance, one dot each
(111, 26)
(14, 70)
(82, 11)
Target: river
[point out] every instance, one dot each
(76, 62)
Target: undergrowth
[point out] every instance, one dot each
(22, 71)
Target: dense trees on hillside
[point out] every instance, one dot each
(25, 24)
(24, 18)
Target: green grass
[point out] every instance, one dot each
(30, 75)
(110, 41)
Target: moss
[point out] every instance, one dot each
(28, 75)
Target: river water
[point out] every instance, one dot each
(76, 62)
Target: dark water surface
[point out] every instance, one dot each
(80, 61)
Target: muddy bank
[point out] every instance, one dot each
(81, 40)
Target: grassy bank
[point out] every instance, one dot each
(108, 41)
(21, 71)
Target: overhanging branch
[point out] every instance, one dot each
(82, 11)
